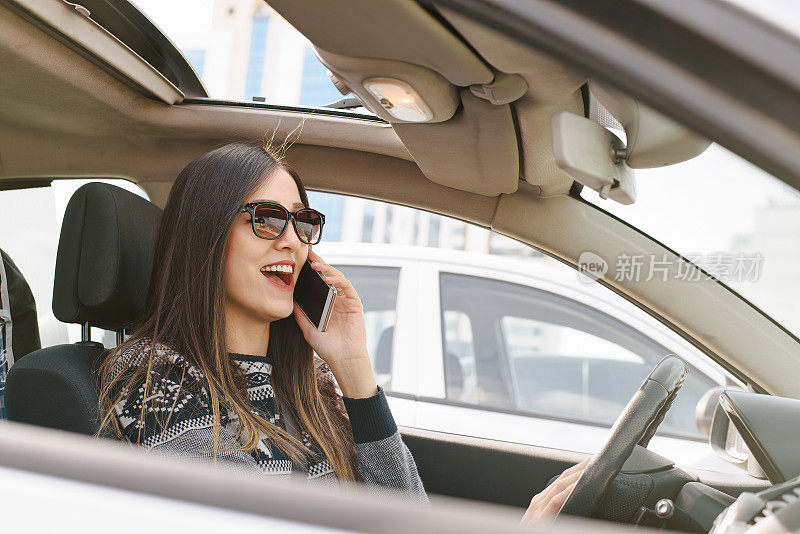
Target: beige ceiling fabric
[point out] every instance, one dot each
(539, 166)
(551, 88)
(475, 151)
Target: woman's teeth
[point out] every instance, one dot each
(278, 268)
(282, 273)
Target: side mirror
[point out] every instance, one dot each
(725, 439)
(704, 412)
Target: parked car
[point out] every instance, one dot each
(516, 350)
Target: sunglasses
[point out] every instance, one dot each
(270, 220)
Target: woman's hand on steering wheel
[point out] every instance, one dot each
(549, 501)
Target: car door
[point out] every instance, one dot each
(524, 361)
(387, 286)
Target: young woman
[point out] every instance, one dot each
(222, 366)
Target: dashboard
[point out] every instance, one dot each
(775, 510)
(759, 434)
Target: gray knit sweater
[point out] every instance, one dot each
(177, 388)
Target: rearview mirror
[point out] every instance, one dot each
(654, 140)
(593, 156)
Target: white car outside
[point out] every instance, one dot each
(416, 381)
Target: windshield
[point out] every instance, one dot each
(736, 221)
(242, 49)
(781, 13)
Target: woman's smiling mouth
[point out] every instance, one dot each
(280, 274)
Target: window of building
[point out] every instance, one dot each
(317, 88)
(256, 53)
(241, 49)
(333, 207)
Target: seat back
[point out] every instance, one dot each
(19, 326)
(103, 267)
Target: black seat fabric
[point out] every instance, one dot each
(105, 257)
(19, 326)
(103, 267)
(18, 313)
(56, 387)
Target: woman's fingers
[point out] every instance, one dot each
(324, 268)
(577, 467)
(333, 277)
(558, 500)
(556, 495)
(313, 255)
(302, 321)
(318, 263)
(549, 501)
(340, 282)
(559, 485)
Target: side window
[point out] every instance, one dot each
(377, 289)
(30, 226)
(459, 357)
(540, 353)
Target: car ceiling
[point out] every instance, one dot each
(448, 56)
(67, 112)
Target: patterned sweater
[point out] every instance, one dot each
(177, 388)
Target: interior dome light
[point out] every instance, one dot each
(399, 99)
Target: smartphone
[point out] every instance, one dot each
(314, 297)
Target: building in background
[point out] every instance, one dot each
(776, 237)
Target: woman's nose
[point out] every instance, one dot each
(289, 239)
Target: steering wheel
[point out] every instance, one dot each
(636, 425)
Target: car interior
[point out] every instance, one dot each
(107, 95)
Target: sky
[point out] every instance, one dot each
(782, 13)
(702, 204)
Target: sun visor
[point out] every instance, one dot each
(653, 140)
(551, 87)
(475, 151)
(396, 30)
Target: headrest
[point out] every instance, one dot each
(105, 257)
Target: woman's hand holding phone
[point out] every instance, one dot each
(343, 345)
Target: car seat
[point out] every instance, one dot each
(103, 268)
(17, 308)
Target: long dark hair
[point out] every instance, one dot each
(185, 311)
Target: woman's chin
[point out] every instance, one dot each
(278, 314)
